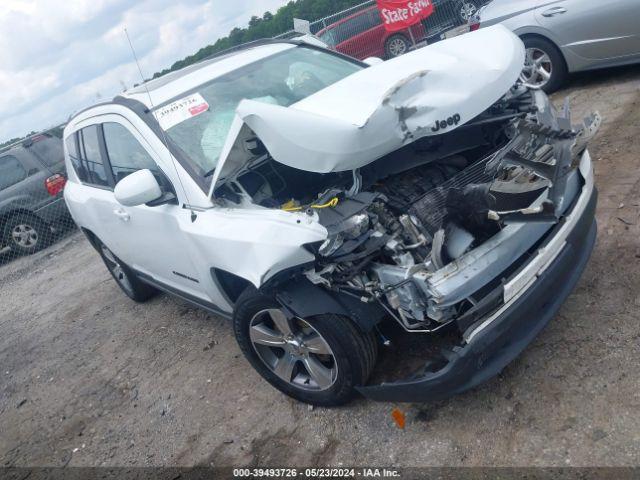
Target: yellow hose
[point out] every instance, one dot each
(331, 203)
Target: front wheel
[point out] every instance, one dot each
(317, 360)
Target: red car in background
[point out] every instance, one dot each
(363, 35)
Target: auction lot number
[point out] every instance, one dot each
(315, 472)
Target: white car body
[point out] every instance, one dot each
(256, 243)
(214, 224)
(337, 130)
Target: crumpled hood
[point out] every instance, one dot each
(379, 109)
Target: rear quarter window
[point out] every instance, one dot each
(11, 172)
(49, 151)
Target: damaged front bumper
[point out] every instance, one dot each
(517, 310)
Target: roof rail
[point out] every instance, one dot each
(213, 56)
(244, 46)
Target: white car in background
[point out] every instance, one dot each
(319, 201)
(565, 36)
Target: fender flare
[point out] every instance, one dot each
(304, 299)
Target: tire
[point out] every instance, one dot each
(539, 50)
(26, 234)
(465, 10)
(343, 359)
(396, 45)
(129, 283)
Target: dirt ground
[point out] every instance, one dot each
(89, 378)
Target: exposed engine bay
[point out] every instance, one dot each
(427, 230)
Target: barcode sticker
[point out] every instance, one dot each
(181, 110)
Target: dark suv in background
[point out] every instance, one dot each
(32, 177)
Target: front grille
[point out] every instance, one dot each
(431, 209)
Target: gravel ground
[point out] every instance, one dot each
(89, 378)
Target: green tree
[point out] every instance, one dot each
(267, 26)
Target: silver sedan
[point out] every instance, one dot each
(564, 36)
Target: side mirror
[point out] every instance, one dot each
(371, 61)
(137, 189)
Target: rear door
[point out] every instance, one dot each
(593, 29)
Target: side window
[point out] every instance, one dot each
(360, 24)
(126, 155)
(342, 32)
(91, 164)
(374, 18)
(11, 171)
(328, 37)
(72, 150)
(48, 149)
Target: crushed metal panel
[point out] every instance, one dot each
(468, 69)
(546, 147)
(379, 109)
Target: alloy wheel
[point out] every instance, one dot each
(293, 350)
(24, 236)
(116, 269)
(397, 47)
(538, 68)
(467, 10)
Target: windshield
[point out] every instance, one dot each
(198, 122)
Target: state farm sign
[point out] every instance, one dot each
(400, 14)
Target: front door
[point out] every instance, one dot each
(148, 239)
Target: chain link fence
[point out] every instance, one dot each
(33, 214)
(359, 31)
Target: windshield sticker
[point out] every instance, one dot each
(181, 110)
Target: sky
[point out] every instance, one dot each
(59, 56)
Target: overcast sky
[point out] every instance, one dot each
(59, 56)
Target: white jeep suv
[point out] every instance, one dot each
(319, 202)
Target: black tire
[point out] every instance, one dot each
(353, 353)
(26, 234)
(465, 9)
(392, 47)
(127, 280)
(559, 71)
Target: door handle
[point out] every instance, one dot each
(121, 214)
(552, 12)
